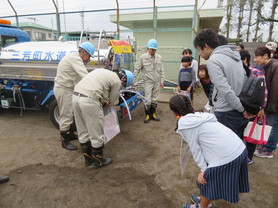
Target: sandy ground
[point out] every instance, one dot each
(144, 173)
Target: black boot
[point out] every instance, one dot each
(87, 152)
(73, 135)
(4, 179)
(65, 138)
(152, 112)
(99, 160)
(148, 116)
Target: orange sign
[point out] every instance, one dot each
(120, 46)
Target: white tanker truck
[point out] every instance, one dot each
(28, 69)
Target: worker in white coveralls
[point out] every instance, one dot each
(151, 67)
(70, 71)
(97, 89)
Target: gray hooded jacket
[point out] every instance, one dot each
(228, 76)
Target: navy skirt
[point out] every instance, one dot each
(227, 181)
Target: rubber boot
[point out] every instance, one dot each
(87, 152)
(147, 112)
(99, 160)
(73, 135)
(4, 179)
(65, 139)
(152, 112)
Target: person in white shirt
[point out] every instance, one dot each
(217, 150)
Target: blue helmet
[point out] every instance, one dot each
(127, 76)
(89, 47)
(152, 44)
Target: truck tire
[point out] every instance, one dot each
(54, 113)
(55, 116)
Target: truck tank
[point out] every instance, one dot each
(28, 70)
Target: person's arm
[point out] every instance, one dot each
(191, 137)
(162, 75)
(201, 178)
(114, 93)
(193, 77)
(79, 67)
(178, 88)
(210, 92)
(221, 84)
(195, 67)
(137, 69)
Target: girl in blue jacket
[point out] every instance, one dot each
(218, 151)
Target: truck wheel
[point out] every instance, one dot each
(54, 113)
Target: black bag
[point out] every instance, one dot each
(252, 94)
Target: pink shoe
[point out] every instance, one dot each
(263, 154)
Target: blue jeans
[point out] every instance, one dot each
(234, 120)
(272, 120)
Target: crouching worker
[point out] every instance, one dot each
(97, 89)
(218, 151)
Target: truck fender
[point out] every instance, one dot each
(49, 95)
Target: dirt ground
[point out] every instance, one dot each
(144, 173)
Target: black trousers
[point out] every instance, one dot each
(184, 86)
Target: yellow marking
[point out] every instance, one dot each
(35, 74)
(88, 155)
(97, 159)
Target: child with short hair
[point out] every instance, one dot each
(187, 76)
(218, 151)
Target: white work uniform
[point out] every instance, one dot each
(194, 65)
(96, 88)
(152, 70)
(70, 71)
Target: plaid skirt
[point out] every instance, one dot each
(227, 181)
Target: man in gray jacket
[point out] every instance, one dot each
(228, 76)
(151, 67)
(70, 71)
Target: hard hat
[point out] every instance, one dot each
(152, 44)
(129, 77)
(89, 47)
(126, 76)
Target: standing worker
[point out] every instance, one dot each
(97, 89)
(150, 65)
(70, 71)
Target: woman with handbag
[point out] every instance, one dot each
(263, 58)
(245, 57)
